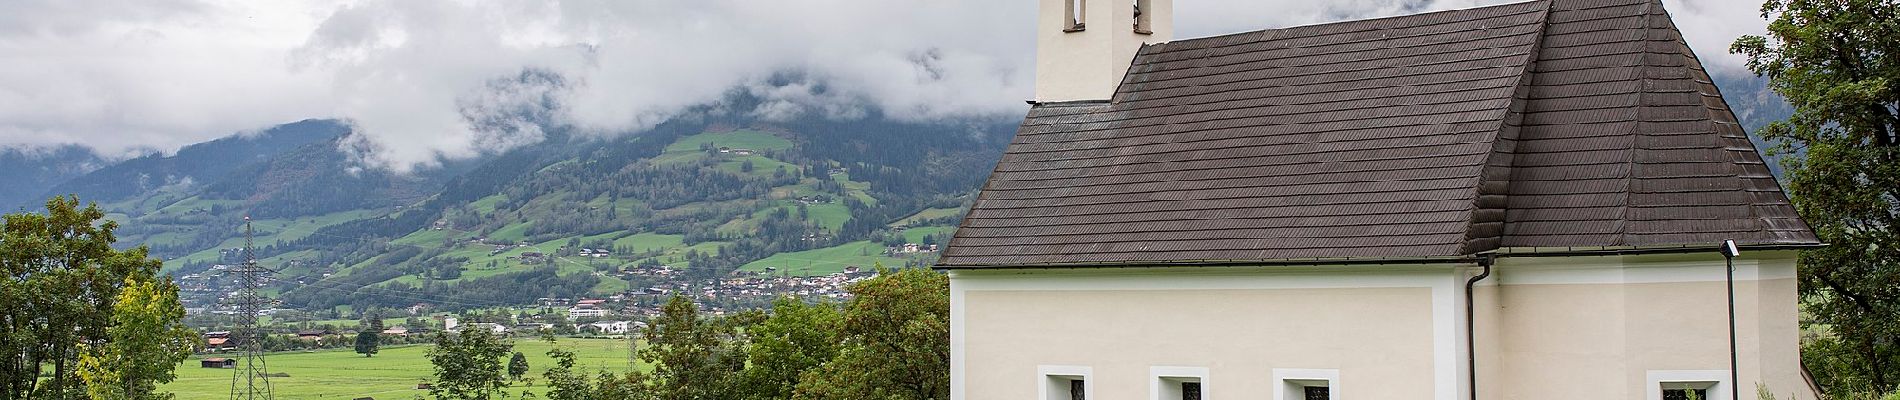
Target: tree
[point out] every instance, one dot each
(62, 279)
(1838, 63)
(798, 337)
(693, 358)
(896, 332)
(517, 366)
(145, 343)
(468, 364)
(368, 342)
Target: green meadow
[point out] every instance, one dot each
(392, 374)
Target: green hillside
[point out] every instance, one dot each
(829, 260)
(570, 216)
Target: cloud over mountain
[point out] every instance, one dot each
(422, 81)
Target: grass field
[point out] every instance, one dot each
(649, 241)
(391, 374)
(826, 260)
(928, 214)
(916, 235)
(687, 148)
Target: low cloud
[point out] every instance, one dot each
(425, 81)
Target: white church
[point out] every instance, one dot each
(1538, 200)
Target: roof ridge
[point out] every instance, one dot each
(1491, 197)
(1642, 103)
(1755, 215)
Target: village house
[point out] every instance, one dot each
(614, 327)
(586, 311)
(1525, 201)
(311, 336)
(217, 341)
(495, 328)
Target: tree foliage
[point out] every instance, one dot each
(368, 342)
(693, 357)
(1838, 63)
(891, 341)
(796, 339)
(145, 344)
(896, 335)
(63, 281)
(517, 366)
(468, 364)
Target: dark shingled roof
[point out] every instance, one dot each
(1560, 123)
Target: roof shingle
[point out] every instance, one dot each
(1540, 124)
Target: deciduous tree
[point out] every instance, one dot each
(896, 335)
(144, 345)
(368, 342)
(468, 364)
(518, 366)
(693, 357)
(62, 279)
(796, 338)
(1838, 63)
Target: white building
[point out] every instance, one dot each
(586, 310)
(615, 327)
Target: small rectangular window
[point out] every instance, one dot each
(1143, 16)
(1306, 384)
(1074, 15)
(1178, 383)
(1064, 382)
(1687, 384)
(1317, 393)
(1685, 394)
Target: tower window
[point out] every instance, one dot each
(1074, 12)
(1064, 382)
(1178, 383)
(1306, 384)
(1143, 15)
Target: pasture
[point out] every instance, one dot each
(392, 374)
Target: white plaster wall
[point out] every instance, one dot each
(1090, 64)
(1390, 336)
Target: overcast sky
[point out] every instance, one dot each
(127, 76)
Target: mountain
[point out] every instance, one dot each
(715, 190)
(1755, 106)
(194, 164)
(33, 170)
(706, 194)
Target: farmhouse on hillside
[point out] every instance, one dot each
(1524, 201)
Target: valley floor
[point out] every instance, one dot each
(392, 374)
